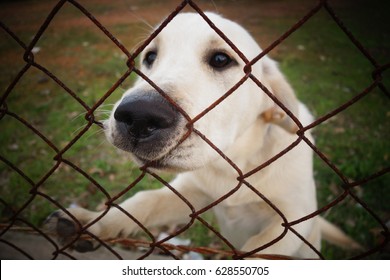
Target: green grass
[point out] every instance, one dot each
(320, 62)
(327, 72)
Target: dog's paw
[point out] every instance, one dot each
(68, 232)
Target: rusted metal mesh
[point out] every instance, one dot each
(17, 222)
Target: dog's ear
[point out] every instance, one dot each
(281, 89)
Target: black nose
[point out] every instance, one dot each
(145, 116)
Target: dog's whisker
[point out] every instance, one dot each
(141, 39)
(134, 14)
(215, 6)
(106, 105)
(77, 130)
(76, 116)
(98, 132)
(100, 113)
(100, 144)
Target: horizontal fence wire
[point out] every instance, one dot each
(16, 221)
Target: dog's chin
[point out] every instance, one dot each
(168, 163)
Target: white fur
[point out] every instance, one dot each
(240, 128)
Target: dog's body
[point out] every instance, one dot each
(195, 67)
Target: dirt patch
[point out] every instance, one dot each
(41, 249)
(25, 16)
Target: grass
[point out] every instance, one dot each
(321, 63)
(327, 71)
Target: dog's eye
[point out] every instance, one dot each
(220, 60)
(150, 57)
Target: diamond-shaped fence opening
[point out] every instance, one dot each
(34, 172)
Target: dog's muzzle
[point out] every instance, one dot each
(146, 124)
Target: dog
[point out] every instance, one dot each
(168, 122)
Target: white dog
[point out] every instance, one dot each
(195, 67)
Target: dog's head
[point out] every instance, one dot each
(195, 68)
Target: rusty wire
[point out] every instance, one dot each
(164, 245)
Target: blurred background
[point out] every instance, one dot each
(324, 67)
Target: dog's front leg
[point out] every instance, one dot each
(150, 208)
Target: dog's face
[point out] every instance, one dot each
(194, 67)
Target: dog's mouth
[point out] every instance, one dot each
(172, 160)
(146, 125)
(157, 163)
(161, 164)
(167, 147)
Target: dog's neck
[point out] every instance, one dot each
(248, 150)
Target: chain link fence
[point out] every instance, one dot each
(16, 220)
